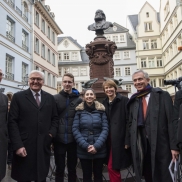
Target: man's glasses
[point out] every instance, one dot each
(38, 79)
(69, 82)
(1, 74)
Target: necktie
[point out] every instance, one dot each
(37, 99)
(144, 103)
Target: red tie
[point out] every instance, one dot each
(144, 102)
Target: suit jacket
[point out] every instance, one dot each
(29, 127)
(3, 134)
(160, 131)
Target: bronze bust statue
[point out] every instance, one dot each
(100, 23)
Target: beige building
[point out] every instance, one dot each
(158, 36)
(45, 56)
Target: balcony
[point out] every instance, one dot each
(18, 11)
(25, 47)
(9, 76)
(11, 3)
(10, 37)
(25, 18)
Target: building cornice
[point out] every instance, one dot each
(41, 8)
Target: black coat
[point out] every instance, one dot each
(29, 127)
(161, 134)
(118, 118)
(3, 134)
(90, 128)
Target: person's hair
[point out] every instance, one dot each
(146, 75)
(37, 71)
(85, 91)
(109, 83)
(69, 75)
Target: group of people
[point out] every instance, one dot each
(119, 132)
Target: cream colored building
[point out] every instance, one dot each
(158, 36)
(45, 56)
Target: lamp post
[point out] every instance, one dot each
(25, 81)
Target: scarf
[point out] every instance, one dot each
(140, 94)
(89, 108)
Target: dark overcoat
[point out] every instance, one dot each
(29, 126)
(118, 118)
(3, 134)
(161, 134)
(90, 128)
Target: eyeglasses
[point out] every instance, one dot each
(38, 79)
(69, 82)
(1, 74)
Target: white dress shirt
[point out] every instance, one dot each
(34, 94)
(147, 97)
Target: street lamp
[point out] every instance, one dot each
(25, 81)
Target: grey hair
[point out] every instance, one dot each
(146, 75)
(37, 71)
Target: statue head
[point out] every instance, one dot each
(99, 15)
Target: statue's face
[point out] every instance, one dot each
(98, 15)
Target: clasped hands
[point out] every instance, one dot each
(91, 149)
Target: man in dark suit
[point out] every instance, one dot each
(33, 122)
(3, 131)
(153, 141)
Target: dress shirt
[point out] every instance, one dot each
(34, 94)
(147, 97)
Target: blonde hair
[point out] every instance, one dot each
(109, 83)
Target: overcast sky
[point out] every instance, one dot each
(74, 16)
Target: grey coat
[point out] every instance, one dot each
(3, 134)
(161, 134)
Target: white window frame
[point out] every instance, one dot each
(159, 62)
(66, 70)
(43, 50)
(151, 63)
(82, 71)
(37, 18)
(128, 88)
(43, 25)
(153, 82)
(143, 62)
(66, 56)
(145, 44)
(126, 54)
(117, 71)
(153, 44)
(24, 70)
(148, 26)
(48, 55)
(53, 59)
(127, 71)
(36, 45)
(117, 55)
(75, 71)
(74, 56)
(9, 74)
(122, 38)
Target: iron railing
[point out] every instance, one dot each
(25, 17)
(18, 11)
(9, 76)
(11, 3)
(24, 47)
(10, 37)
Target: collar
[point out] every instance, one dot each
(39, 92)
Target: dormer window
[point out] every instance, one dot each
(147, 14)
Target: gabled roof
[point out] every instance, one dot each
(133, 20)
(120, 29)
(60, 39)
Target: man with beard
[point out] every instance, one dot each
(153, 141)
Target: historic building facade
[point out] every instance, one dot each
(157, 37)
(15, 44)
(124, 57)
(45, 57)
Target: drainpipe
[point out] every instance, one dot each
(32, 36)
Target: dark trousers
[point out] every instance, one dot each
(60, 151)
(10, 153)
(90, 166)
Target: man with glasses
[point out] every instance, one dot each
(33, 122)
(64, 143)
(3, 131)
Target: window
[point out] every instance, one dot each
(53, 37)
(175, 20)
(48, 32)
(49, 79)
(9, 67)
(161, 82)
(115, 38)
(153, 82)
(153, 44)
(108, 37)
(175, 47)
(43, 26)
(48, 55)
(118, 71)
(171, 26)
(179, 41)
(37, 45)
(66, 56)
(128, 87)
(10, 24)
(166, 10)
(75, 71)
(60, 71)
(167, 35)
(53, 59)
(43, 51)
(83, 71)
(59, 56)
(127, 71)
(175, 74)
(159, 62)
(126, 54)
(116, 55)
(151, 63)
(25, 40)
(122, 38)
(74, 56)
(66, 70)
(147, 14)
(11, 3)
(171, 52)
(143, 63)
(25, 11)
(37, 18)
(24, 71)
(53, 82)
(145, 44)
(148, 26)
